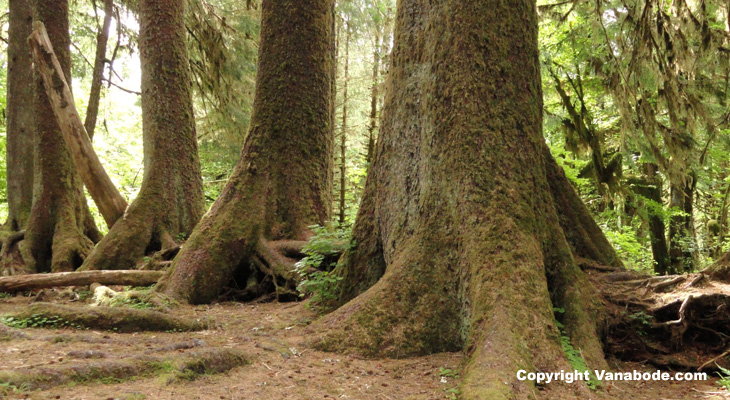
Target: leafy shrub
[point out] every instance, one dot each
(322, 252)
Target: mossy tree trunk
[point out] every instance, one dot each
(170, 201)
(468, 234)
(19, 134)
(283, 180)
(682, 237)
(60, 231)
(19, 159)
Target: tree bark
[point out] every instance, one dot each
(81, 278)
(19, 142)
(60, 231)
(92, 110)
(468, 231)
(19, 136)
(170, 201)
(283, 181)
(110, 202)
(649, 186)
(374, 98)
(681, 227)
(343, 135)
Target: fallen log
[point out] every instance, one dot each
(10, 284)
(116, 319)
(106, 196)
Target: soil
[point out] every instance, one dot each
(273, 337)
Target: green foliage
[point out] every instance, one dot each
(316, 267)
(4, 295)
(38, 321)
(448, 373)
(7, 388)
(572, 355)
(724, 375)
(634, 251)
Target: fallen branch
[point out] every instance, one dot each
(10, 284)
(713, 360)
(106, 196)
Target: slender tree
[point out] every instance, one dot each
(343, 134)
(283, 181)
(170, 201)
(469, 234)
(60, 231)
(92, 111)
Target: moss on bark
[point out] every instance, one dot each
(468, 226)
(60, 231)
(170, 202)
(283, 180)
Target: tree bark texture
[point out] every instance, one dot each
(283, 180)
(106, 196)
(19, 140)
(170, 201)
(468, 230)
(60, 232)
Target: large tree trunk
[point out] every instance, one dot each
(469, 231)
(19, 135)
(60, 232)
(170, 201)
(283, 181)
(19, 145)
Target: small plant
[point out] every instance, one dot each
(574, 357)
(4, 295)
(38, 321)
(448, 373)
(321, 253)
(724, 375)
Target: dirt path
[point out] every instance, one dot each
(279, 364)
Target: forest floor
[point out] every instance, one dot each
(278, 363)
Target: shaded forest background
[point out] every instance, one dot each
(653, 171)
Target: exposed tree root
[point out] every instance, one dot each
(187, 367)
(679, 322)
(116, 319)
(11, 262)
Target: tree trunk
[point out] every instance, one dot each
(92, 111)
(469, 231)
(374, 98)
(170, 201)
(649, 186)
(60, 231)
(283, 181)
(19, 135)
(110, 202)
(681, 227)
(19, 145)
(343, 135)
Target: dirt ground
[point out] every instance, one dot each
(281, 366)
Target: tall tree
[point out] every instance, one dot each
(60, 231)
(92, 110)
(19, 136)
(283, 180)
(20, 116)
(343, 134)
(170, 202)
(469, 234)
